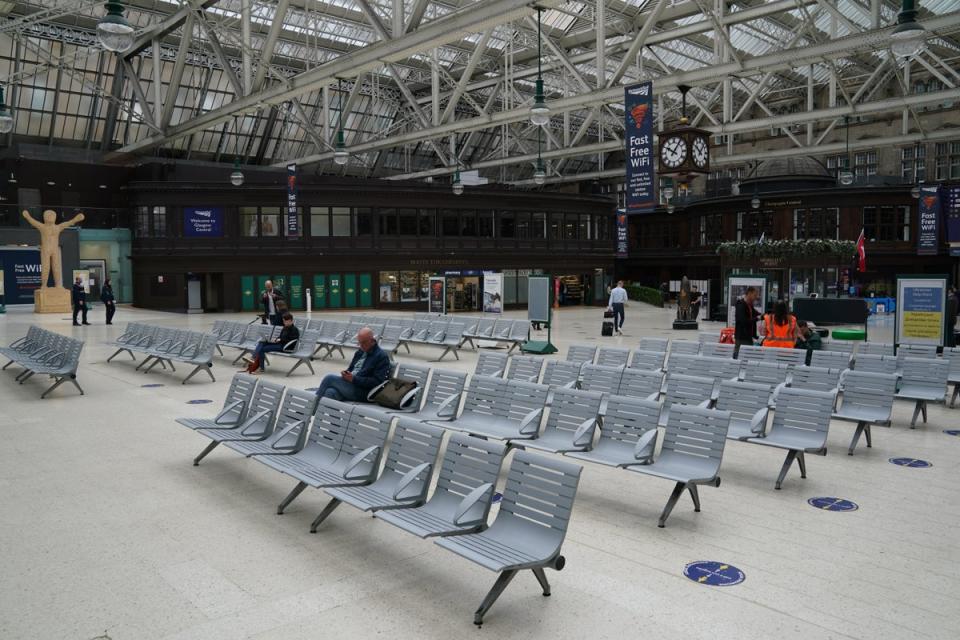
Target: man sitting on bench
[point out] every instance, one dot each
(370, 367)
(286, 342)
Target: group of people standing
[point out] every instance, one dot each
(78, 299)
(780, 327)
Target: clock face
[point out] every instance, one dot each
(673, 152)
(701, 152)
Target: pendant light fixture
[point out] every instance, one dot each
(846, 177)
(6, 120)
(236, 178)
(909, 38)
(539, 112)
(457, 184)
(340, 154)
(113, 30)
(540, 174)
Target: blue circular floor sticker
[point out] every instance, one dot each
(952, 432)
(911, 462)
(199, 401)
(151, 386)
(833, 504)
(714, 574)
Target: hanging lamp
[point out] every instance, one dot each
(457, 184)
(236, 178)
(340, 154)
(909, 38)
(113, 30)
(539, 112)
(846, 177)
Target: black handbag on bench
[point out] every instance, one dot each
(395, 393)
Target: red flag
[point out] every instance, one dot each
(861, 253)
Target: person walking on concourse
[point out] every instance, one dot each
(618, 299)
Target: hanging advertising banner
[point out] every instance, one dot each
(293, 220)
(928, 236)
(950, 201)
(638, 138)
(202, 222)
(921, 306)
(21, 274)
(623, 237)
(437, 303)
(492, 292)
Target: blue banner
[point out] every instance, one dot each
(293, 220)
(928, 236)
(202, 222)
(951, 210)
(638, 138)
(623, 236)
(21, 274)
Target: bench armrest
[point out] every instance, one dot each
(253, 420)
(653, 396)
(497, 374)
(290, 346)
(706, 403)
(776, 392)
(583, 436)
(532, 419)
(570, 385)
(407, 479)
(758, 423)
(469, 501)
(283, 434)
(451, 400)
(646, 446)
(355, 462)
(227, 409)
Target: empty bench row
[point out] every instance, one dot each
(164, 346)
(47, 353)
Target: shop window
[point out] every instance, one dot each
(408, 222)
(141, 227)
(556, 226)
(603, 223)
(340, 222)
(708, 231)
(424, 285)
(509, 286)
(388, 222)
(813, 224)
(886, 224)
(913, 163)
(570, 227)
(389, 286)
(583, 224)
(319, 221)
(409, 286)
(948, 160)
(269, 221)
(364, 221)
(468, 223)
(524, 226)
(159, 222)
(485, 224)
(249, 222)
(836, 163)
(753, 224)
(428, 228)
(508, 224)
(451, 223)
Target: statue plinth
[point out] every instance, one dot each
(52, 300)
(686, 325)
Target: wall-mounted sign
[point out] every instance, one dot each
(638, 138)
(202, 222)
(928, 236)
(20, 269)
(950, 201)
(492, 293)
(623, 235)
(921, 304)
(293, 220)
(437, 303)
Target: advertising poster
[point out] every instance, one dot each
(638, 139)
(950, 201)
(492, 293)
(921, 304)
(202, 222)
(21, 274)
(386, 293)
(623, 237)
(438, 295)
(928, 236)
(737, 286)
(293, 220)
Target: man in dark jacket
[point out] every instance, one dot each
(79, 299)
(745, 319)
(287, 341)
(106, 297)
(274, 304)
(370, 367)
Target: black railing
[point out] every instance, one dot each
(94, 217)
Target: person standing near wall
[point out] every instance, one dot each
(79, 299)
(106, 297)
(274, 304)
(745, 320)
(617, 302)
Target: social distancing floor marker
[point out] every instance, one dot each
(911, 462)
(833, 504)
(714, 574)
(199, 401)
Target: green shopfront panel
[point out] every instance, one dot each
(296, 292)
(349, 290)
(336, 286)
(366, 293)
(320, 291)
(248, 294)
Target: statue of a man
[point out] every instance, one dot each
(683, 300)
(50, 244)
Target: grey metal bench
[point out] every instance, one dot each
(653, 344)
(831, 359)
(764, 372)
(530, 526)
(595, 377)
(525, 368)
(413, 373)
(302, 351)
(877, 364)
(638, 383)
(561, 373)
(491, 364)
(290, 433)
(647, 360)
(875, 349)
(581, 353)
(684, 348)
(613, 357)
(923, 380)
(47, 353)
(686, 390)
(801, 420)
(443, 395)
(258, 422)
(235, 406)
(952, 355)
(749, 406)
(717, 349)
(501, 409)
(868, 401)
(624, 424)
(571, 423)
(690, 455)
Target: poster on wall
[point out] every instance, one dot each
(386, 293)
(921, 308)
(737, 286)
(293, 220)
(438, 295)
(623, 239)
(950, 201)
(202, 222)
(638, 139)
(21, 274)
(492, 293)
(928, 236)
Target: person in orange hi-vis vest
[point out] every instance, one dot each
(780, 327)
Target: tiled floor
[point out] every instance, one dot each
(107, 529)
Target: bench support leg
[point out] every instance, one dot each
(542, 579)
(144, 361)
(219, 350)
(11, 362)
(866, 431)
(197, 370)
(327, 510)
(203, 454)
(802, 461)
(695, 495)
(916, 414)
(118, 351)
(956, 392)
(56, 384)
(502, 581)
(297, 490)
(791, 456)
(243, 352)
(26, 375)
(856, 437)
(671, 502)
(155, 362)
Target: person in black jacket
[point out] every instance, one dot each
(745, 319)
(369, 367)
(287, 341)
(106, 297)
(79, 299)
